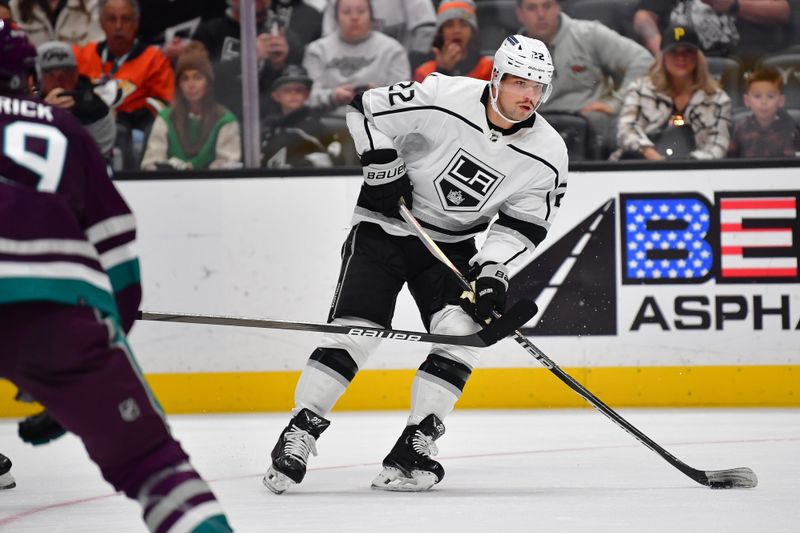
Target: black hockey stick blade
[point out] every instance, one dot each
(504, 326)
(518, 315)
(734, 478)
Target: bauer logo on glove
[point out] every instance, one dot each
(489, 292)
(385, 182)
(388, 174)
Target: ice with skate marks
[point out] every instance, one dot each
(393, 479)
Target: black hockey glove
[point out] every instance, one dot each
(490, 285)
(385, 182)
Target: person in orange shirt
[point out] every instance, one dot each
(456, 45)
(142, 72)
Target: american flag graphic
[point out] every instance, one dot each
(756, 237)
(666, 239)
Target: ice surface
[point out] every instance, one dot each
(556, 471)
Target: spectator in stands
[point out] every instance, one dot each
(274, 50)
(296, 137)
(300, 18)
(588, 58)
(456, 45)
(142, 72)
(171, 24)
(353, 58)
(410, 22)
(677, 92)
(744, 28)
(768, 130)
(196, 132)
(71, 21)
(221, 35)
(5, 10)
(62, 86)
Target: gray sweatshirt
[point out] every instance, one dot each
(378, 60)
(588, 58)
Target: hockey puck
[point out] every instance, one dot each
(721, 484)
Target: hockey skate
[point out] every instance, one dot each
(6, 479)
(409, 467)
(290, 454)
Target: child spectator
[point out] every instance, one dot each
(355, 57)
(62, 86)
(196, 132)
(296, 137)
(71, 21)
(768, 131)
(456, 44)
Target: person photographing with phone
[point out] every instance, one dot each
(64, 87)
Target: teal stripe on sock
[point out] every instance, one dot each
(215, 524)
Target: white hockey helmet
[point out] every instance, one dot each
(524, 57)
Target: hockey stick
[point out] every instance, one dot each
(499, 329)
(741, 477)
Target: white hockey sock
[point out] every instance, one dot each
(431, 395)
(331, 368)
(317, 390)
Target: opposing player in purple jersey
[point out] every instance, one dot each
(69, 291)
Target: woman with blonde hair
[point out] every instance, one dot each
(677, 110)
(197, 131)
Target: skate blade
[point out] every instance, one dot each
(277, 482)
(7, 481)
(392, 479)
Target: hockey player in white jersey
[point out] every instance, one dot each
(458, 151)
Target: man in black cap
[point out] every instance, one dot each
(295, 137)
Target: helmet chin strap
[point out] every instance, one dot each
(493, 98)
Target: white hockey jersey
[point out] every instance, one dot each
(464, 172)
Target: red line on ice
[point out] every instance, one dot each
(68, 503)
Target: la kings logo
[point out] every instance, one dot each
(466, 183)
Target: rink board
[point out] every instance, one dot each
(715, 321)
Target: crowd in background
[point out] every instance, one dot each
(158, 84)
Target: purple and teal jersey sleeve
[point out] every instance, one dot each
(66, 234)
